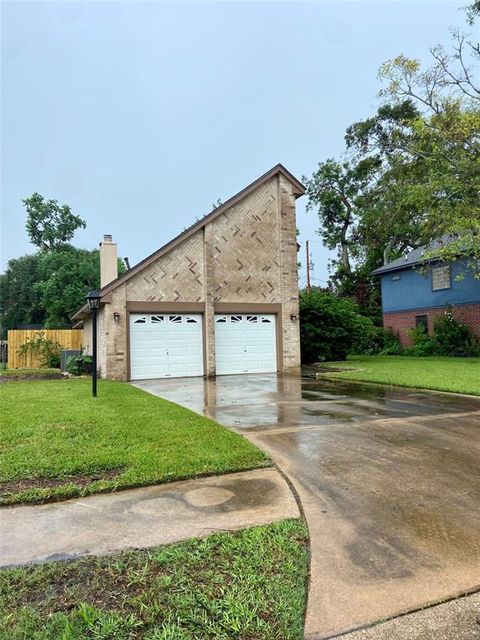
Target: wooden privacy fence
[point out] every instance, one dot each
(68, 338)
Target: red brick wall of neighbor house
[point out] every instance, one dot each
(401, 321)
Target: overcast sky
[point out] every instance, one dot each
(140, 115)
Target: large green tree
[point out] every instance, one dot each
(66, 276)
(47, 287)
(20, 300)
(427, 133)
(422, 150)
(50, 225)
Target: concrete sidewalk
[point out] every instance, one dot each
(455, 620)
(145, 517)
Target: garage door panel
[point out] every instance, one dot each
(245, 344)
(165, 346)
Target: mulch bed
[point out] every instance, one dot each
(32, 376)
(82, 480)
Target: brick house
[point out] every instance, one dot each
(415, 291)
(220, 298)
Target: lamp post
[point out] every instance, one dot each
(93, 299)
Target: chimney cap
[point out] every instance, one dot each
(107, 237)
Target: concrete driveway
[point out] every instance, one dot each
(389, 481)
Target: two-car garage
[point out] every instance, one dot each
(172, 345)
(220, 298)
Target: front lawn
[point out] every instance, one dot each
(58, 442)
(251, 584)
(459, 375)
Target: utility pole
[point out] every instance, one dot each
(308, 267)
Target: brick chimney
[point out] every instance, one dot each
(108, 260)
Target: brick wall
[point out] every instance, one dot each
(402, 321)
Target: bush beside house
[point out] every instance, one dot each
(332, 327)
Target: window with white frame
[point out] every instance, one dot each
(441, 278)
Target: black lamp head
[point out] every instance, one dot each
(93, 299)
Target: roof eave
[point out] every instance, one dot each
(381, 270)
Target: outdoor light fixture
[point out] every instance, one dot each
(293, 317)
(93, 299)
(116, 316)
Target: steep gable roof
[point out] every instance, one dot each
(299, 190)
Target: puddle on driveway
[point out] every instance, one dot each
(271, 400)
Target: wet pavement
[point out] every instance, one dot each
(454, 620)
(389, 480)
(140, 518)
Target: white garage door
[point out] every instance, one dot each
(245, 344)
(165, 345)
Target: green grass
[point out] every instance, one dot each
(458, 375)
(246, 585)
(58, 442)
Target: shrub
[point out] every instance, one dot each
(47, 351)
(423, 343)
(376, 341)
(391, 343)
(449, 338)
(453, 338)
(330, 326)
(366, 337)
(79, 365)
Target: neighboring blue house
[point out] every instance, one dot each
(414, 292)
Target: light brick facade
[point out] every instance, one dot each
(242, 258)
(402, 321)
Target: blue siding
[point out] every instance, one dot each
(414, 290)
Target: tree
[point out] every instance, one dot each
(339, 191)
(50, 225)
(48, 287)
(410, 173)
(427, 133)
(473, 11)
(20, 300)
(66, 276)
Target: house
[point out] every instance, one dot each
(220, 298)
(416, 290)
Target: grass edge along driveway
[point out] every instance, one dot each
(249, 584)
(58, 442)
(456, 375)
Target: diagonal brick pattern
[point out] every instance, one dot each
(175, 277)
(246, 246)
